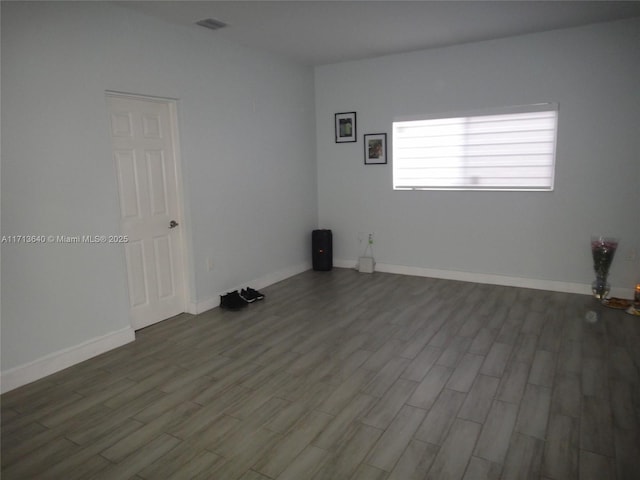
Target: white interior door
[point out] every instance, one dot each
(142, 136)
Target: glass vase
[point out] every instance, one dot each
(603, 249)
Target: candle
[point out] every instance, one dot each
(636, 297)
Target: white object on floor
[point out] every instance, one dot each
(591, 316)
(366, 264)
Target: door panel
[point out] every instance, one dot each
(136, 272)
(127, 183)
(157, 183)
(164, 267)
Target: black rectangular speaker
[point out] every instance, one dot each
(322, 249)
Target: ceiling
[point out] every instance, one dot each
(323, 32)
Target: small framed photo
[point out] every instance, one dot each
(375, 149)
(346, 127)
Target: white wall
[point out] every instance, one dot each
(592, 72)
(247, 133)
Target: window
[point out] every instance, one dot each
(510, 149)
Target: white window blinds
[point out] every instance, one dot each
(511, 149)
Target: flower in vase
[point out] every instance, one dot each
(603, 249)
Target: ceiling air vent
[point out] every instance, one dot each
(211, 23)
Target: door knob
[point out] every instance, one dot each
(173, 224)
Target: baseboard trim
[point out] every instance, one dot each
(505, 280)
(54, 362)
(258, 283)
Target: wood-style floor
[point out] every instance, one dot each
(343, 375)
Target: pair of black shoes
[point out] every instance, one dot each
(237, 300)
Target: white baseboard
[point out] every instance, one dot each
(257, 284)
(340, 263)
(536, 284)
(205, 305)
(54, 362)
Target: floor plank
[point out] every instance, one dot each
(340, 375)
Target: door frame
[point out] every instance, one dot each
(172, 103)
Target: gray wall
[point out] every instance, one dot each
(247, 137)
(594, 75)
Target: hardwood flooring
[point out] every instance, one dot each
(341, 375)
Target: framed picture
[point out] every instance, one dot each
(346, 127)
(375, 149)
